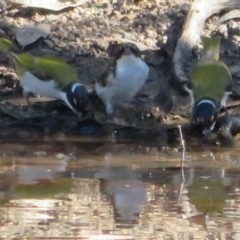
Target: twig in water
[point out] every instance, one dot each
(182, 161)
(181, 137)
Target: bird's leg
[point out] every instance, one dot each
(109, 109)
(28, 96)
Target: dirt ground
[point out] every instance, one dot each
(81, 36)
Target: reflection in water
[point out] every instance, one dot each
(99, 190)
(126, 197)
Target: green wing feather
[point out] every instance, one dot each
(210, 77)
(43, 67)
(48, 68)
(7, 45)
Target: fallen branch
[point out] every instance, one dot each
(199, 12)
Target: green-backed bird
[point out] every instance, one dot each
(210, 86)
(124, 77)
(47, 76)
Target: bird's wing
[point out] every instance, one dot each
(51, 68)
(8, 45)
(210, 79)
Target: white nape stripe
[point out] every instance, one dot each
(63, 96)
(75, 86)
(206, 101)
(225, 98)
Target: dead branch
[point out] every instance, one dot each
(199, 12)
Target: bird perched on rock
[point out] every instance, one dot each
(47, 76)
(124, 78)
(210, 86)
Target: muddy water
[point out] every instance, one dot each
(65, 188)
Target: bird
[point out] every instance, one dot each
(47, 76)
(210, 86)
(123, 78)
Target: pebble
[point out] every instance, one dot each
(93, 25)
(62, 44)
(62, 32)
(151, 33)
(62, 156)
(185, 7)
(51, 18)
(40, 153)
(71, 37)
(64, 19)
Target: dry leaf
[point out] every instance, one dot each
(54, 5)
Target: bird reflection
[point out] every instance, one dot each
(127, 198)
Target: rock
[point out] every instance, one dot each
(31, 33)
(54, 5)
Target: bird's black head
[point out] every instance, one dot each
(205, 114)
(77, 96)
(127, 48)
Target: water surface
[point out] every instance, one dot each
(89, 188)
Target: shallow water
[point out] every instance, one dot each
(72, 188)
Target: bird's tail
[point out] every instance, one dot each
(211, 46)
(8, 45)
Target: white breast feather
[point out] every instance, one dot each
(131, 74)
(32, 84)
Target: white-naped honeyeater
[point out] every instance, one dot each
(47, 76)
(124, 78)
(210, 86)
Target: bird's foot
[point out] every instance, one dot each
(109, 109)
(28, 96)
